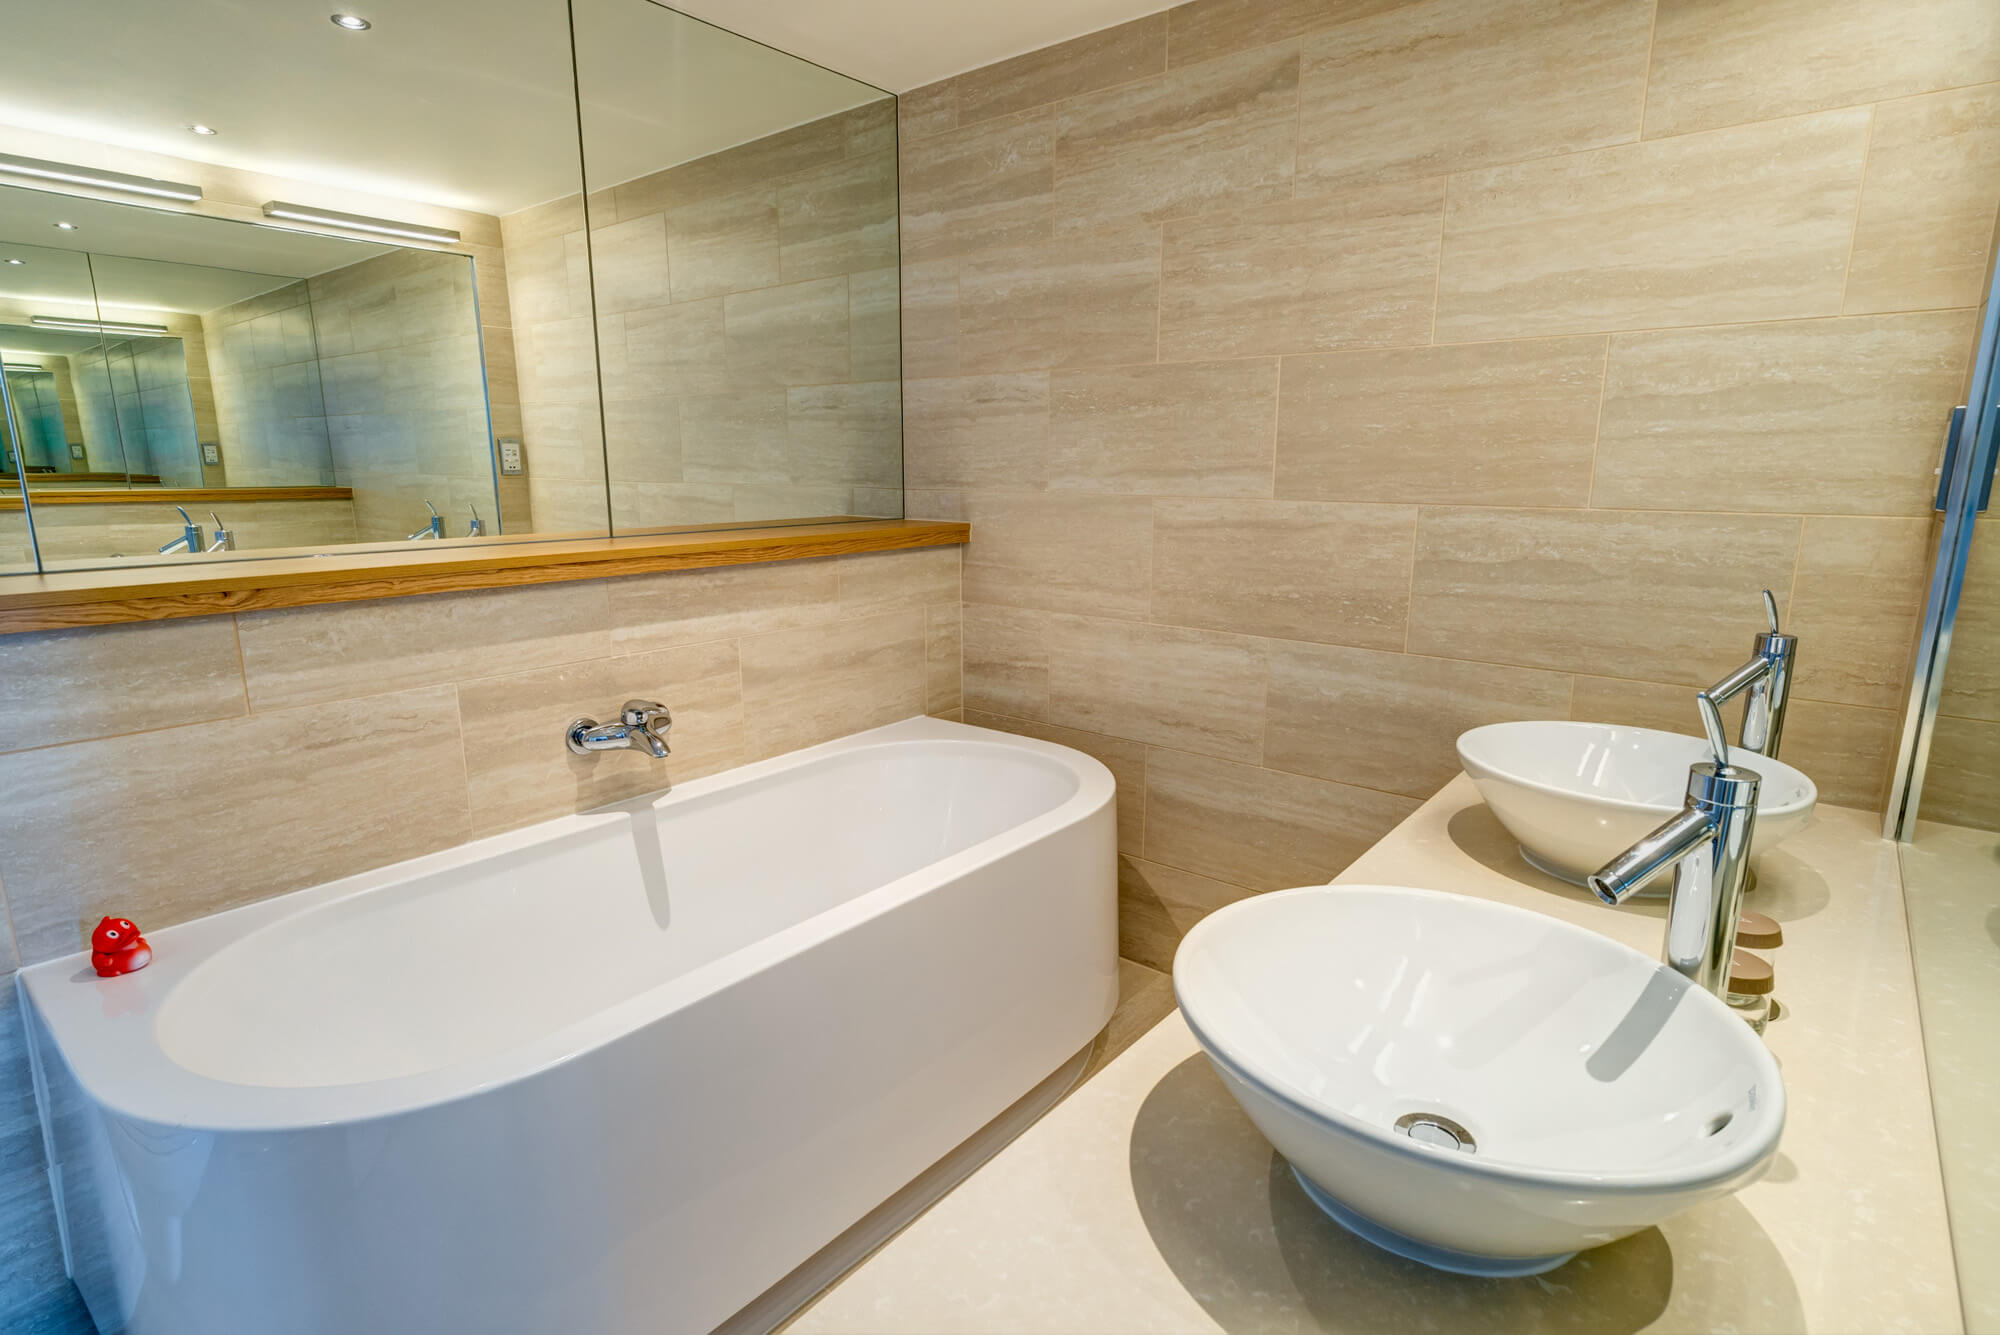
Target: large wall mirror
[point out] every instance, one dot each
(619, 272)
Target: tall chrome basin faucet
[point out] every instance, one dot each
(434, 529)
(1768, 678)
(1708, 847)
(188, 541)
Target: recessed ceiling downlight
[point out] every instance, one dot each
(199, 128)
(352, 22)
(65, 227)
(14, 261)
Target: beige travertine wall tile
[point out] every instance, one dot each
(1062, 553)
(69, 685)
(688, 606)
(1845, 750)
(725, 244)
(803, 687)
(1125, 760)
(629, 264)
(1391, 721)
(1650, 596)
(977, 431)
(873, 582)
(642, 440)
(1205, 29)
(1446, 85)
(1972, 673)
(929, 110)
(986, 185)
(839, 219)
(1091, 300)
(1084, 64)
(311, 795)
(1006, 661)
(874, 325)
(1928, 201)
(930, 319)
(1218, 134)
(850, 433)
(1194, 689)
(1482, 423)
(1855, 608)
(1348, 270)
(1962, 784)
(1724, 62)
(675, 351)
(339, 651)
(1257, 827)
(1157, 905)
(1823, 416)
(1296, 570)
(1751, 223)
(801, 148)
(1198, 429)
(734, 438)
(518, 769)
(944, 651)
(796, 334)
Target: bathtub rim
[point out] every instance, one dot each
(123, 1070)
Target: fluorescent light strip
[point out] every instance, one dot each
(68, 174)
(357, 222)
(25, 366)
(96, 326)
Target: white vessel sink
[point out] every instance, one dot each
(1576, 795)
(1471, 1085)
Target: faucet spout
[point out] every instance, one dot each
(1768, 679)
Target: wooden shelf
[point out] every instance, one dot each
(212, 585)
(203, 496)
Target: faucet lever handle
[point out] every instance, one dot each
(1771, 611)
(1711, 722)
(644, 713)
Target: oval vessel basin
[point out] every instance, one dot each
(1471, 1085)
(1576, 795)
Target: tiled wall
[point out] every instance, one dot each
(270, 408)
(170, 769)
(91, 533)
(1962, 785)
(1322, 379)
(747, 313)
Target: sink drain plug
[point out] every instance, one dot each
(1437, 1129)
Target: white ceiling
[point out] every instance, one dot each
(464, 103)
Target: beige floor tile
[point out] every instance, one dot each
(1648, 595)
(1090, 300)
(70, 685)
(1006, 661)
(1060, 552)
(1194, 689)
(1821, 416)
(1962, 783)
(1296, 570)
(1126, 761)
(1925, 232)
(1157, 905)
(1354, 269)
(1257, 827)
(1855, 608)
(971, 189)
(1427, 89)
(1145, 997)
(519, 770)
(1219, 134)
(1750, 60)
(306, 795)
(1483, 423)
(977, 431)
(803, 687)
(1391, 721)
(1751, 223)
(1198, 429)
(1100, 59)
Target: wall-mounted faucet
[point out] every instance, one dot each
(1708, 847)
(224, 540)
(434, 529)
(640, 726)
(188, 541)
(1768, 678)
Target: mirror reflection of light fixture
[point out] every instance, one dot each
(23, 366)
(351, 22)
(357, 222)
(199, 128)
(66, 173)
(73, 326)
(13, 261)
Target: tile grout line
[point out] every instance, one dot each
(1854, 232)
(1597, 433)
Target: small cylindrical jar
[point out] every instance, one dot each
(1749, 994)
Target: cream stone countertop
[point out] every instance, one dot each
(1147, 1202)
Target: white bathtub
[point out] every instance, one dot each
(620, 1072)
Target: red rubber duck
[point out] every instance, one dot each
(117, 948)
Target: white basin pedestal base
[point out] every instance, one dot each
(1423, 1253)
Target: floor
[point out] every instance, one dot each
(1145, 996)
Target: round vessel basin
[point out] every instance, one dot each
(1576, 795)
(1471, 1085)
